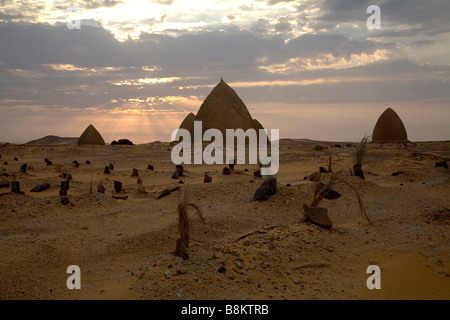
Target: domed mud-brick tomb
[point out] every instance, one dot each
(389, 128)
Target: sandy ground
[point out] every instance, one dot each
(264, 250)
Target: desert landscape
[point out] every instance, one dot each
(213, 152)
(244, 249)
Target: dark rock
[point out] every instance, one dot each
(349, 145)
(257, 173)
(323, 170)
(178, 172)
(88, 162)
(337, 146)
(150, 167)
(23, 168)
(135, 173)
(330, 193)
(268, 188)
(76, 164)
(40, 187)
(442, 164)
(117, 186)
(167, 192)
(120, 197)
(313, 176)
(181, 182)
(5, 163)
(246, 170)
(396, 173)
(106, 170)
(4, 184)
(15, 159)
(222, 269)
(207, 178)
(49, 163)
(123, 142)
(62, 191)
(46, 160)
(111, 166)
(318, 216)
(180, 250)
(101, 189)
(318, 148)
(15, 187)
(65, 184)
(226, 171)
(288, 185)
(357, 170)
(164, 193)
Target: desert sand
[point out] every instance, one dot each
(245, 249)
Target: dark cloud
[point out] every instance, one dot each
(428, 17)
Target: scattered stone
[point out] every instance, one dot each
(442, 164)
(5, 163)
(135, 172)
(313, 176)
(106, 170)
(222, 269)
(318, 216)
(120, 197)
(178, 172)
(181, 182)
(49, 163)
(23, 168)
(88, 162)
(180, 250)
(123, 142)
(76, 164)
(323, 170)
(226, 171)
(101, 189)
(349, 145)
(268, 188)
(337, 146)
(111, 166)
(15, 159)
(245, 170)
(207, 178)
(63, 190)
(396, 173)
(318, 148)
(167, 192)
(15, 187)
(117, 186)
(150, 167)
(4, 184)
(65, 184)
(257, 173)
(139, 180)
(357, 169)
(41, 187)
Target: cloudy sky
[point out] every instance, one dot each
(135, 69)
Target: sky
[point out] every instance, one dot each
(135, 69)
